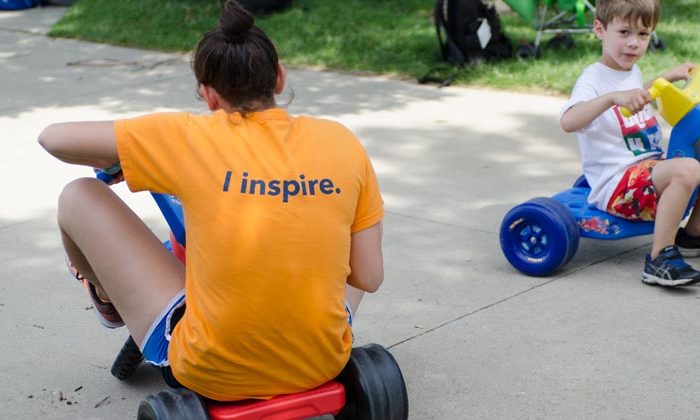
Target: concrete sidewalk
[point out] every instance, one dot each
(474, 338)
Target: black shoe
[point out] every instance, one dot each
(689, 246)
(669, 269)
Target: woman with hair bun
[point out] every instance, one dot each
(283, 221)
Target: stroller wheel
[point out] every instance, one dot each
(527, 52)
(657, 44)
(563, 41)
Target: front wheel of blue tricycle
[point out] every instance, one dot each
(539, 236)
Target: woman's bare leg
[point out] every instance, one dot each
(113, 249)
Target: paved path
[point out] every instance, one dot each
(475, 339)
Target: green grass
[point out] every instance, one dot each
(394, 37)
(170, 25)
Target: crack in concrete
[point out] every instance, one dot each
(507, 298)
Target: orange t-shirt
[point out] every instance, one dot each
(270, 202)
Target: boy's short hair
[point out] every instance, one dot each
(648, 11)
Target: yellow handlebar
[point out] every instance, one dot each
(653, 92)
(673, 102)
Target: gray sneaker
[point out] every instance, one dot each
(669, 269)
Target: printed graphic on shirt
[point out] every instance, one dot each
(285, 188)
(640, 131)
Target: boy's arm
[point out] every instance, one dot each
(366, 260)
(583, 113)
(82, 143)
(681, 72)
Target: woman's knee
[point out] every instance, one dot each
(76, 196)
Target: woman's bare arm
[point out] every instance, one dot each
(89, 143)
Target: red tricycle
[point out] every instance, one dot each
(370, 387)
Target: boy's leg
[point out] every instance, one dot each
(688, 238)
(693, 225)
(112, 247)
(674, 180)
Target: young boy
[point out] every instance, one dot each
(622, 157)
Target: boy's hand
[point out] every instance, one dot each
(681, 72)
(634, 100)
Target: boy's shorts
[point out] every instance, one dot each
(635, 197)
(155, 344)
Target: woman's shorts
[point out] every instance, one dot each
(155, 344)
(635, 197)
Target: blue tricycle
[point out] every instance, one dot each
(541, 235)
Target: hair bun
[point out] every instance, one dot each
(235, 20)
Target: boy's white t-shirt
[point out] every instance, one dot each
(612, 143)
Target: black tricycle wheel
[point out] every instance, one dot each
(128, 360)
(173, 404)
(374, 386)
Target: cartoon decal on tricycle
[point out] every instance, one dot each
(541, 235)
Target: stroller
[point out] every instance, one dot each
(562, 18)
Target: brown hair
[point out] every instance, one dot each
(238, 60)
(648, 11)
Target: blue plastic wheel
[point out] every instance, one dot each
(539, 236)
(581, 182)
